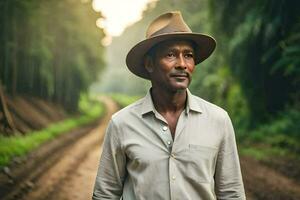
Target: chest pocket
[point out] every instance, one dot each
(201, 163)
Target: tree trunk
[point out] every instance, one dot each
(5, 118)
(14, 55)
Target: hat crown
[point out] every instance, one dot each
(167, 23)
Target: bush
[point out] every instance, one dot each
(280, 133)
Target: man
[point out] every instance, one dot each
(170, 144)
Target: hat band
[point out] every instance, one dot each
(169, 30)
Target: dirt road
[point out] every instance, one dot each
(73, 176)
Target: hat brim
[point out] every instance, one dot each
(135, 57)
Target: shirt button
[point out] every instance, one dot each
(169, 142)
(172, 155)
(173, 177)
(164, 128)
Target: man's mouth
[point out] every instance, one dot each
(180, 75)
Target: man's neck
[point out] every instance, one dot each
(168, 101)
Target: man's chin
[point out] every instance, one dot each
(180, 87)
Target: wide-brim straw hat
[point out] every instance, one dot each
(167, 27)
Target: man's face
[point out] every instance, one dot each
(172, 65)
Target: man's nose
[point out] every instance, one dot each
(181, 62)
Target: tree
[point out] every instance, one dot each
(51, 49)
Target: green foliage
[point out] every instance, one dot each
(262, 153)
(279, 137)
(237, 106)
(263, 42)
(16, 146)
(281, 132)
(50, 49)
(124, 100)
(258, 154)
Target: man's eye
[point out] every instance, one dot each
(189, 55)
(170, 55)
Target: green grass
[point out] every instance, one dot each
(265, 147)
(20, 145)
(263, 152)
(124, 100)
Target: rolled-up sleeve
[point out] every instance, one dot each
(112, 168)
(228, 177)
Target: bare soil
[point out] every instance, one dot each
(73, 176)
(265, 183)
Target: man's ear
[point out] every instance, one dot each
(148, 63)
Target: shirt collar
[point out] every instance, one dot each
(192, 104)
(147, 105)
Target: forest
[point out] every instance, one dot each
(49, 49)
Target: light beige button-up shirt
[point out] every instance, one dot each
(141, 161)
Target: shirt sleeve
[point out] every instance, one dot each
(112, 168)
(228, 177)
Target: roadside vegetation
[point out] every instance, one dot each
(90, 110)
(275, 144)
(124, 100)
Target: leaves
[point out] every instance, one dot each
(51, 49)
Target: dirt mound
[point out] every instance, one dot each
(22, 114)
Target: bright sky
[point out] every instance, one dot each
(118, 15)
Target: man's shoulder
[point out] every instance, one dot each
(126, 113)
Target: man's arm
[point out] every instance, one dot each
(228, 177)
(112, 168)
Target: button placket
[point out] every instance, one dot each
(172, 176)
(166, 136)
